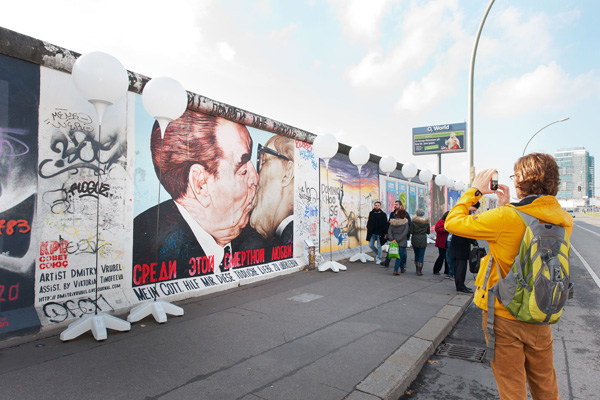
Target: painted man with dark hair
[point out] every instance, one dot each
(206, 168)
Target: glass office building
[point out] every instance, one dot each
(577, 177)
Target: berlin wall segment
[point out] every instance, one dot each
(270, 195)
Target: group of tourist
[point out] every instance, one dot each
(399, 228)
(522, 351)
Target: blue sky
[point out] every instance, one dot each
(366, 71)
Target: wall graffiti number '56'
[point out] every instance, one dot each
(58, 312)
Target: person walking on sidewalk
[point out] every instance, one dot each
(398, 232)
(461, 249)
(440, 243)
(397, 206)
(419, 229)
(523, 351)
(376, 229)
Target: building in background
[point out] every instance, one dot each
(577, 177)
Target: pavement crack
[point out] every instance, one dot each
(567, 368)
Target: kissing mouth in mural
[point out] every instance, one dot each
(16, 236)
(241, 216)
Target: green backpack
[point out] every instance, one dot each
(537, 285)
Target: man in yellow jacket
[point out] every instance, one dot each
(523, 351)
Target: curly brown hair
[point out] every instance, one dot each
(538, 173)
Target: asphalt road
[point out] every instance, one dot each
(576, 337)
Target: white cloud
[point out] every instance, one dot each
(529, 38)
(282, 35)
(548, 87)
(140, 35)
(226, 51)
(360, 19)
(440, 83)
(421, 36)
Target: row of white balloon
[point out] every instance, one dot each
(450, 183)
(326, 147)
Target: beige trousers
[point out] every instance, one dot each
(523, 354)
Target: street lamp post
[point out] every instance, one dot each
(471, 74)
(551, 123)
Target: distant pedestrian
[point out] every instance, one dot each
(449, 259)
(523, 354)
(440, 243)
(376, 229)
(397, 206)
(419, 229)
(461, 249)
(398, 232)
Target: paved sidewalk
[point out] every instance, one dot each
(357, 334)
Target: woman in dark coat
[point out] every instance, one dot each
(419, 229)
(440, 243)
(398, 232)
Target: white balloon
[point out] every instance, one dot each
(460, 186)
(440, 180)
(388, 164)
(359, 155)
(165, 99)
(101, 79)
(425, 175)
(409, 170)
(325, 146)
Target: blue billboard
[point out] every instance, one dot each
(437, 139)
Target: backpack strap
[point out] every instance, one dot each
(491, 344)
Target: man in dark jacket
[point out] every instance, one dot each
(376, 229)
(461, 248)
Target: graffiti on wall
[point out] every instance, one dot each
(346, 200)
(453, 197)
(82, 179)
(19, 99)
(307, 196)
(438, 202)
(226, 203)
(412, 195)
(412, 200)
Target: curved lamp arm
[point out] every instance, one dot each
(551, 123)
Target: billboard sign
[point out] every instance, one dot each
(437, 139)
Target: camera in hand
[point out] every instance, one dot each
(494, 181)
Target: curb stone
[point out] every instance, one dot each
(398, 371)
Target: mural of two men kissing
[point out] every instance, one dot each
(231, 199)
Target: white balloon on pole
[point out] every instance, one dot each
(387, 164)
(359, 156)
(165, 99)
(441, 180)
(409, 170)
(325, 147)
(101, 79)
(460, 186)
(425, 175)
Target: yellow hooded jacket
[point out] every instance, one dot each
(503, 230)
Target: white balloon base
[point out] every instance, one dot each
(332, 265)
(362, 257)
(97, 323)
(159, 310)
